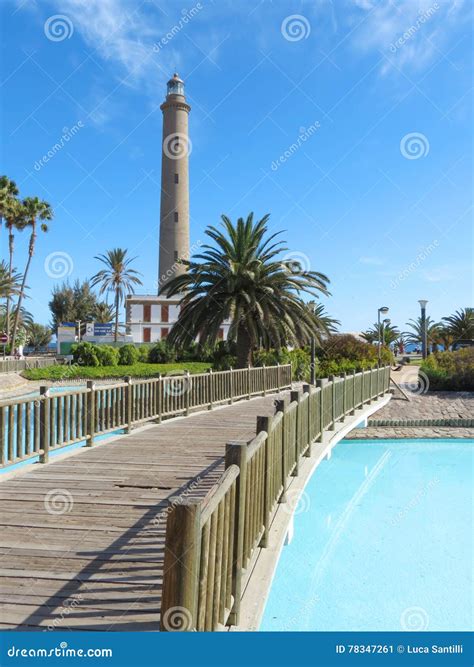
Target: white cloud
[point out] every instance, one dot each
(409, 33)
(118, 32)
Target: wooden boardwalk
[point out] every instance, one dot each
(82, 538)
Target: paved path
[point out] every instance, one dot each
(82, 537)
(425, 405)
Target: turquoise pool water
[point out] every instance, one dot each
(383, 541)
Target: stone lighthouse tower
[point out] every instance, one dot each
(150, 317)
(174, 211)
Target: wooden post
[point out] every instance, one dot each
(188, 391)
(353, 392)
(264, 380)
(265, 424)
(295, 396)
(3, 431)
(181, 565)
(158, 397)
(344, 398)
(45, 433)
(280, 407)
(332, 425)
(307, 390)
(211, 390)
(321, 384)
(128, 403)
(91, 417)
(231, 386)
(236, 453)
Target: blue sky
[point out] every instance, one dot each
(371, 101)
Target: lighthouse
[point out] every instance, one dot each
(174, 209)
(149, 317)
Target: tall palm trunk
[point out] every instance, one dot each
(117, 302)
(244, 347)
(11, 247)
(31, 251)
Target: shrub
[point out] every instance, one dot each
(85, 354)
(271, 357)
(300, 364)
(450, 371)
(223, 356)
(162, 353)
(339, 354)
(299, 359)
(143, 353)
(128, 355)
(107, 355)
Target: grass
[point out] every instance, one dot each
(138, 370)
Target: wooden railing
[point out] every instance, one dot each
(210, 542)
(33, 426)
(17, 365)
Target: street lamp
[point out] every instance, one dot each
(384, 311)
(385, 323)
(424, 332)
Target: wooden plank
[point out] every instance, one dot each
(109, 544)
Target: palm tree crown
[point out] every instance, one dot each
(241, 279)
(461, 324)
(10, 281)
(117, 277)
(415, 336)
(8, 192)
(388, 333)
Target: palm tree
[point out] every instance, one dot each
(117, 277)
(416, 335)
(13, 213)
(103, 313)
(25, 318)
(461, 324)
(388, 333)
(34, 209)
(8, 191)
(39, 336)
(445, 337)
(10, 281)
(241, 279)
(328, 325)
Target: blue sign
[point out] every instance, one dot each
(68, 324)
(103, 329)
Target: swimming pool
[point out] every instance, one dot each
(382, 541)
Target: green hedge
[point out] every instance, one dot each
(138, 370)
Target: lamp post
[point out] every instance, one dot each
(384, 310)
(385, 323)
(424, 332)
(79, 322)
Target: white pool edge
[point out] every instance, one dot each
(262, 568)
